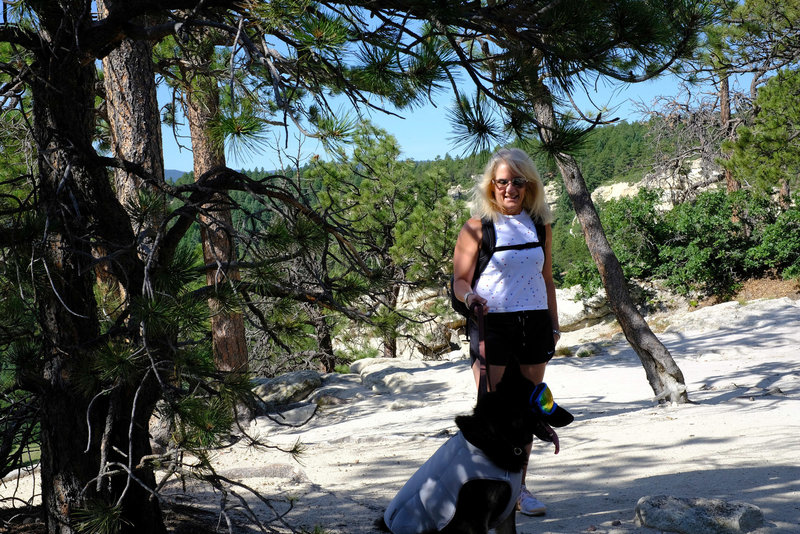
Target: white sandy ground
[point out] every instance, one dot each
(739, 440)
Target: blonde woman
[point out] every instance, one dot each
(516, 288)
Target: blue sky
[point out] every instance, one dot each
(425, 133)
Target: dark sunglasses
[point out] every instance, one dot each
(518, 182)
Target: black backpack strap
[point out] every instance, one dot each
(488, 239)
(518, 246)
(540, 233)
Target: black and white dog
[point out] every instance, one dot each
(471, 484)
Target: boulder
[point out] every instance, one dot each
(697, 515)
(575, 313)
(287, 388)
(338, 389)
(390, 375)
(588, 349)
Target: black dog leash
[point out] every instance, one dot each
(478, 347)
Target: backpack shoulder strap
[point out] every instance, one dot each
(541, 231)
(488, 239)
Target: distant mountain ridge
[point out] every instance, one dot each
(173, 174)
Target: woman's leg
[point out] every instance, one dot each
(495, 375)
(534, 373)
(476, 372)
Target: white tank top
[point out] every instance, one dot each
(513, 281)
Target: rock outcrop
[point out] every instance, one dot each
(697, 515)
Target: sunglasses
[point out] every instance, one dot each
(502, 183)
(542, 400)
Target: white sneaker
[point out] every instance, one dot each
(530, 505)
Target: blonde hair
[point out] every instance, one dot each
(483, 204)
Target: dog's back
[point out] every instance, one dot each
(433, 498)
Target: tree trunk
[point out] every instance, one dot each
(785, 195)
(132, 109)
(731, 184)
(227, 328)
(324, 337)
(135, 127)
(390, 335)
(80, 208)
(664, 376)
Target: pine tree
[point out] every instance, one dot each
(80, 369)
(766, 154)
(375, 190)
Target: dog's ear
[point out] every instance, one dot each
(468, 425)
(540, 431)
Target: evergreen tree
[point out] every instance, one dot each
(85, 382)
(376, 190)
(766, 154)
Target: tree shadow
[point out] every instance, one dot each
(601, 499)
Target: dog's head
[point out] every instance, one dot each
(504, 421)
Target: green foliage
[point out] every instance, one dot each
(99, 517)
(240, 130)
(456, 171)
(766, 154)
(14, 142)
(779, 247)
(201, 422)
(707, 246)
(615, 153)
(570, 253)
(585, 274)
(561, 49)
(424, 254)
(475, 124)
(635, 229)
(391, 207)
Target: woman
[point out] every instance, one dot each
(516, 289)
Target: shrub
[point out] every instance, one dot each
(708, 245)
(779, 247)
(635, 230)
(584, 273)
(706, 249)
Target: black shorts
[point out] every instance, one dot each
(525, 337)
